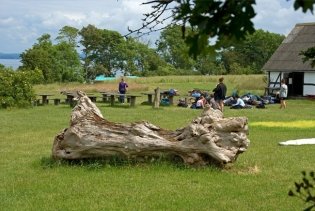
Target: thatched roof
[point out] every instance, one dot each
(286, 58)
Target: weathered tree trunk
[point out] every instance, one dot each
(208, 138)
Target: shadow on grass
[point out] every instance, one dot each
(118, 162)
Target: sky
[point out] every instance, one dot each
(23, 21)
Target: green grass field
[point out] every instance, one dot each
(259, 180)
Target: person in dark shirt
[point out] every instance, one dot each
(122, 88)
(219, 93)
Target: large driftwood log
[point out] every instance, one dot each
(208, 138)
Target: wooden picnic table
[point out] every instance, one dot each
(112, 95)
(163, 94)
(92, 97)
(150, 96)
(105, 96)
(70, 97)
(45, 98)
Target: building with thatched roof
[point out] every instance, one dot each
(287, 63)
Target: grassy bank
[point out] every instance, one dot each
(242, 83)
(259, 180)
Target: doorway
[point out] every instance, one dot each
(295, 83)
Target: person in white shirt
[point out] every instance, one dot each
(201, 102)
(283, 94)
(239, 103)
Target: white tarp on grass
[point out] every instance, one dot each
(298, 142)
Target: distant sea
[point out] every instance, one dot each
(14, 63)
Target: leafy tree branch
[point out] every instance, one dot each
(305, 190)
(222, 20)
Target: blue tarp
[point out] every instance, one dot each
(104, 78)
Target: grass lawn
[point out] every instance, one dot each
(259, 180)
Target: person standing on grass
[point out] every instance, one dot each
(219, 93)
(122, 88)
(283, 94)
(213, 103)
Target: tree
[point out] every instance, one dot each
(309, 55)
(173, 49)
(257, 48)
(252, 52)
(69, 35)
(220, 19)
(40, 56)
(101, 49)
(139, 59)
(107, 52)
(209, 64)
(58, 63)
(67, 63)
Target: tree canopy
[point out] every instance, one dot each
(223, 20)
(107, 52)
(58, 63)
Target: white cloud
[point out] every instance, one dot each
(5, 22)
(135, 6)
(279, 16)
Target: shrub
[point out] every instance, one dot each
(15, 88)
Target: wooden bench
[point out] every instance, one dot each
(131, 97)
(150, 96)
(56, 101)
(44, 98)
(70, 98)
(92, 98)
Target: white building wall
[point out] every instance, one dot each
(273, 78)
(309, 78)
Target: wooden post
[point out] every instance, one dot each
(156, 103)
(132, 100)
(171, 99)
(112, 100)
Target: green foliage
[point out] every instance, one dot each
(305, 5)
(107, 52)
(15, 88)
(225, 20)
(102, 52)
(228, 19)
(251, 53)
(173, 48)
(305, 190)
(35, 76)
(140, 60)
(69, 35)
(309, 55)
(58, 63)
(237, 69)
